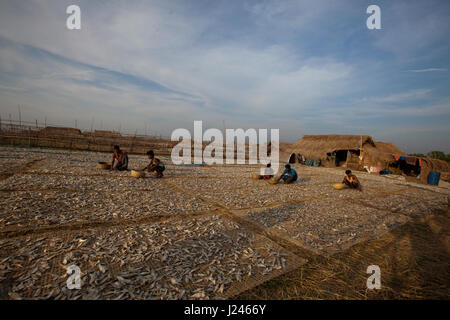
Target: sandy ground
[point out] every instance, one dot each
(200, 232)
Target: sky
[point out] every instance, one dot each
(304, 67)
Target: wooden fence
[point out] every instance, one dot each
(36, 135)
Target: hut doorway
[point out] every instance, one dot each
(296, 158)
(292, 158)
(341, 156)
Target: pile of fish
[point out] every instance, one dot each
(180, 259)
(327, 225)
(56, 207)
(167, 239)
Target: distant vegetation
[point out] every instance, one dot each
(433, 154)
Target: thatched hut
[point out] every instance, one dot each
(362, 152)
(329, 149)
(380, 155)
(435, 165)
(284, 150)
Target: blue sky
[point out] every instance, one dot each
(305, 67)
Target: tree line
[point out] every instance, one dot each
(433, 154)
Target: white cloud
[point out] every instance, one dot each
(428, 70)
(159, 43)
(412, 29)
(245, 82)
(402, 97)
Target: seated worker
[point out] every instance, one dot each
(122, 159)
(268, 172)
(155, 165)
(289, 175)
(351, 180)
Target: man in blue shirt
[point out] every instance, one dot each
(289, 175)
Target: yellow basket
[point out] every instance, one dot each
(255, 176)
(103, 165)
(273, 181)
(339, 186)
(138, 174)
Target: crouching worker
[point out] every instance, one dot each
(289, 175)
(351, 181)
(268, 173)
(122, 159)
(155, 165)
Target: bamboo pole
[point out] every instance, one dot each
(20, 116)
(37, 134)
(360, 148)
(132, 141)
(360, 134)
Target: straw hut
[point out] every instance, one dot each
(329, 149)
(284, 150)
(436, 165)
(362, 152)
(380, 155)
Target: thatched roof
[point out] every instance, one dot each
(429, 164)
(317, 146)
(381, 154)
(387, 147)
(284, 150)
(375, 153)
